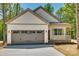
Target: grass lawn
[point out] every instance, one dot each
(68, 49)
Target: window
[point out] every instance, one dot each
(58, 32)
(15, 31)
(68, 32)
(23, 31)
(31, 31)
(39, 31)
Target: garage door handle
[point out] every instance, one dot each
(20, 38)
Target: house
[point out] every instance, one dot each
(37, 26)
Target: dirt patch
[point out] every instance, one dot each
(1, 43)
(68, 49)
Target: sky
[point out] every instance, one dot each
(35, 5)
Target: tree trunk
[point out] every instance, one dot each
(4, 27)
(16, 8)
(10, 10)
(77, 25)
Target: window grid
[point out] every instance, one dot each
(58, 31)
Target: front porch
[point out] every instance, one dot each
(60, 33)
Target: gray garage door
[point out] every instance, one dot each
(23, 37)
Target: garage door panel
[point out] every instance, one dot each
(26, 36)
(40, 35)
(15, 36)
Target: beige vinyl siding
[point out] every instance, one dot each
(28, 18)
(59, 37)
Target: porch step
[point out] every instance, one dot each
(74, 41)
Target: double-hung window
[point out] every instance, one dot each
(58, 31)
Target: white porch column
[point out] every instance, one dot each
(8, 36)
(45, 36)
(64, 33)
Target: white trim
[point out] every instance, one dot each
(27, 27)
(8, 36)
(45, 36)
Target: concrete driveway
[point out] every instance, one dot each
(30, 50)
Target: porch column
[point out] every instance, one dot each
(45, 36)
(8, 36)
(64, 32)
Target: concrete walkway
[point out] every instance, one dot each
(29, 50)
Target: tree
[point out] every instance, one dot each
(59, 13)
(49, 8)
(77, 23)
(67, 15)
(17, 8)
(10, 11)
(4, 9)
(4, 30)
(7, 11)
(14, 9)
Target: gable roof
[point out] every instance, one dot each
(51, 14)
(23, 12)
